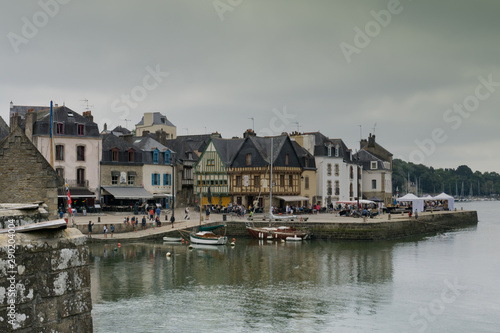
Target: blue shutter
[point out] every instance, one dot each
(164, 179)
(152, 179)
(169, 179)
(155, 156)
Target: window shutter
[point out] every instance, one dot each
(169, 179)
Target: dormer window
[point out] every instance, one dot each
(131, 155)
(373, 165)
(329, 151)
(287, 159)
(249, 159)
(114, 154)
(81, 129)
(167, 157)
(59, 128)
(156, 156)
(336, 151)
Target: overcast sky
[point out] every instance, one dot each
(423, 76)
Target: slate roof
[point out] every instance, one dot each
(118, 129)
(23, 109)
(185, 145)
(110, 141)
(158, 119)
(68, 117)
(147, 143)
(303, 154)
(227, 148)
(4, 129)
(365, 158)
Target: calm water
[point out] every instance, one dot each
(442, 283)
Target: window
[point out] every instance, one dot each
(373, 165)
(306, 161)
(114, 178)
(337, 187)
(336, 170)
(59, 153)
(156, 156)
(359, 172)
(155, 179)
(80, 153)
(287, 159)
(131, 178)
(351, 174)
(210, 162)
(249, 159)
(336, 151)
(167, 157)
(80, 177)
(60, 172)
(329, 187)
(81, 129)
(282, 180)
(374, 184)
(114, 154)
(167, 179)
(306, 183)
(256, 181)
(328, 169)
(238, 180)
(131, 155)
(290, 180)
(329, 151)
(351, 191)
(59, 128)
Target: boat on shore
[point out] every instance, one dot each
(172, 239)
(205, 235)
(277, 233)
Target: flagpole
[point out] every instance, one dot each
(51, 126)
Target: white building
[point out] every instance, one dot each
(337, 172)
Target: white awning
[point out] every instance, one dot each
(128, 192)
(289, 198)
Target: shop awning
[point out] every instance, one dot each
(75, 193)
(128, 192)
(289, 198)
(162, 195)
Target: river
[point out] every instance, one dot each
(447, 282)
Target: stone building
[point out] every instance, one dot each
(4, 129)
(155, 121)
(122, 181)
(377, 170)
(26, 175)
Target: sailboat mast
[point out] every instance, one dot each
(271, 186)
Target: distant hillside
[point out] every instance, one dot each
(435, 181)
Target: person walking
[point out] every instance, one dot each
(151, 214)
(158, 212)
(112, 228)
(90, 229)
(186, 211)
(144, 222)
(105, 231)
(207, 213)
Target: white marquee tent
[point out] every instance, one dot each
(416, 202)
(449, 198)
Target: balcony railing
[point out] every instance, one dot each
(76, 183)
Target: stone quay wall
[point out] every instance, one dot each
(370, 229)
(45, 282)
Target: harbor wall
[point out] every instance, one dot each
(45, 282)
(371, 229)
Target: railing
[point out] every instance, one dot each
(76, 183)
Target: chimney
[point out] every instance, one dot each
(145, 133)
(15, 120)
(105, 127)
(148, 119)
(248, 133)
(11, 105)
(127, 137)
(363, 143)
(88, 115)
(371, 141)
(30, 122)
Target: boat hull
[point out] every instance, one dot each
(218, 240)
(280, 233)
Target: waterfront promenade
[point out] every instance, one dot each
(328, 221)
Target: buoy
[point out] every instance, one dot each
(115, 249)
(190, 246)
(168, 254)
(232, 243)
(119, 245)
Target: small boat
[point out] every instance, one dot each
(277, 233)
(205, 235)
(172, 239)
(295, 238)
(207, 238)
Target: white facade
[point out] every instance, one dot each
(67, 162)
(335, 181)
(163, 186)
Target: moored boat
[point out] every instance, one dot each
(207, 237)
(277, 233)
(172, 239)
